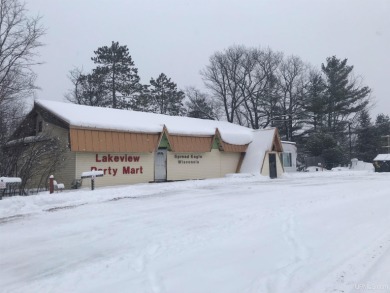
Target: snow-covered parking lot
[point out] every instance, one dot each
(313, 232)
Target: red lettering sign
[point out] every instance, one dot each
(111, 158)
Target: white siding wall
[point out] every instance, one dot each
(196, 166)
(229, 163)
(214, 164)
(66, 173)
(180, 166)
(279, 167)
(292, 149)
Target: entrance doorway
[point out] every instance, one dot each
(160, 165)
(272, 166)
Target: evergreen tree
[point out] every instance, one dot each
(199, 105)
(331, 100)
(121, 77)
(382, 127)
(343, 95)
(314, 101)
(200, 108)
(164, 97)
(143, 102)
(382, 124)
(325, 145)
(367, 143)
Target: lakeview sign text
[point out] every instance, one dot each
(133, 169)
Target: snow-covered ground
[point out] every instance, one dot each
(306, 232)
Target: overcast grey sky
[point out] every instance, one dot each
(177, 37)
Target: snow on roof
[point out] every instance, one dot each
(262, 142)
(26, 140)
(288, 142)
(382, 157)
(10, 179)
(134, 121)
(289, 146)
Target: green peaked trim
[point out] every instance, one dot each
(164, 142)
(216, 143)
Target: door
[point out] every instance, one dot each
(272, 166)
(160, 165)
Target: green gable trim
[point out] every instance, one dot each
(164, 143)
(216, 144)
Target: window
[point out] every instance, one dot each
(39, 126)
(287, 159)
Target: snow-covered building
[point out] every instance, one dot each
(264, 151)
(382, 163)
(133, 147)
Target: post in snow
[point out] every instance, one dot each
(51, 184)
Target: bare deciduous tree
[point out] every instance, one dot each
(244, 81)
(33, 159)
(260, 87)
(19, 38)
(88, 89)
(223, 77)
(293, 76)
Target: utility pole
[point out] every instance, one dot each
(388, 143)
(350, 141)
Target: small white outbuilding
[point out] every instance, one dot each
(382, 163)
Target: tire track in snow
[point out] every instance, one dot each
(154, 279)
(6, 220)
(357, 268)
(141, 264)
(281, 282)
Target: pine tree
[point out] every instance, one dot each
(121, 77)
(343, 95)
(367, 143)
(382, 124)
(325, 145)
(199, 105)
(382, 127)
(332, 101)
(200, 108)
(314, 101)
(164, 97)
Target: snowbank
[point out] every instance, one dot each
(11, 179)
(315, 169)
(360, 165)
(22, 205)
